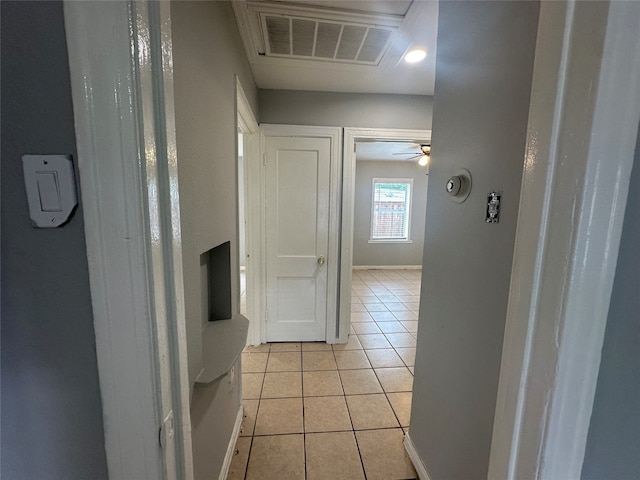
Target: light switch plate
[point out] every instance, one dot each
(51, 189)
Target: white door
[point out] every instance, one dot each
(297, 237)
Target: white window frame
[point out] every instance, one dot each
(409, 208)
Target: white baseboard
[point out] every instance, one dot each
(387, 267)
(421, 470)
(231, 448)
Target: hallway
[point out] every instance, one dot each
(318, 411)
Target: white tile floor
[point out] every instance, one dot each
(316, 411)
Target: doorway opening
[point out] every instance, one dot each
(371, 167)
(242, 225)
(390, 192)
(250, 194)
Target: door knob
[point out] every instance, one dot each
(321, 261)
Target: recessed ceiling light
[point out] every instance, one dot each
(415, 56)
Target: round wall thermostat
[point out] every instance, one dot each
(454, 185)
(459, 186)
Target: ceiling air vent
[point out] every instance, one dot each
(296, 37)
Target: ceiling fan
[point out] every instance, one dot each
(423, 155)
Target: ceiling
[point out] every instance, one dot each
(339, 45)
(387, 151)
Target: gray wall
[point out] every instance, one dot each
(213, 413)
(208, 53)
(613, 445)
(51, 407)
(378, 254)
(483, 80)
(345, 109)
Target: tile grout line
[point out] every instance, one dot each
(353, 428)
(395, 349)
(304, 425)
(255, 421)
(374, 370)
(369, 429)
(338, 370)
(246, 468)
(364, 472)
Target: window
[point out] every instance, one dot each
(391, 209)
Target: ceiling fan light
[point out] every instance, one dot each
(424, 160)
(415, 56)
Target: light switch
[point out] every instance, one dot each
(51, 188)
(49, 191)
(493, 207)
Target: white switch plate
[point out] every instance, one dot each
(51, 188)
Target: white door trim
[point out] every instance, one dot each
(124, 120)
(418, 464)
(231, 447)
(247, 123)
(585, 108)
(333, 262)
(351, 135)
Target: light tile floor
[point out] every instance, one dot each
(316, 411)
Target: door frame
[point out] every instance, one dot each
(125, 133)
(246, 121)
(109, 152)
(351, 136)
(574, 193)
(334, 134)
